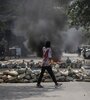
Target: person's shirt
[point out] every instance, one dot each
(47, 55)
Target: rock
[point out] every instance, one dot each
(1, 74)
(13, 73)
(75, 71)
(28, 71)
(1, 80)
(11, 79)
(33, 76)
(33, 80)
(21, 70)
(21, 76)
(61, 79)
(10, 72)
(6, 72)
(36, 71)
(28, 77)
(87, 80)
(26, 81)
(4, 77)
(20, 81)
(48, 80)
(69, 78)
(58, 74)
(64, 73)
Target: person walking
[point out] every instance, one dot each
(79, 51)
(47, 57)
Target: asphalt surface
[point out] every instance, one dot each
(29, 91)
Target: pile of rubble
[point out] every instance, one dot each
(18, 75)
(21, 72)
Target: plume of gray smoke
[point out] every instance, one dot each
(40, 20)
(72, 39)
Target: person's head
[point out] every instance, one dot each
(23, 61)
(47, 44)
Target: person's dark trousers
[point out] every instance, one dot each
(49, 69)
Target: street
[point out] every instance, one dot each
(68, 91)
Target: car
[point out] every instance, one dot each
(86, 53)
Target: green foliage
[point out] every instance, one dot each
(79, 14)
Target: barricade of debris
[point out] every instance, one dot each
(28, 71)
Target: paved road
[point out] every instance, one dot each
(28, 91)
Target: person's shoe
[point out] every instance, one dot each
(39, 86)
(57, 85)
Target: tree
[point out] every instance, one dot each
(79, 14)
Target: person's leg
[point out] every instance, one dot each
(41, 75)
(49, 69)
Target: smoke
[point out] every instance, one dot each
(40, 20)
(72, 39)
